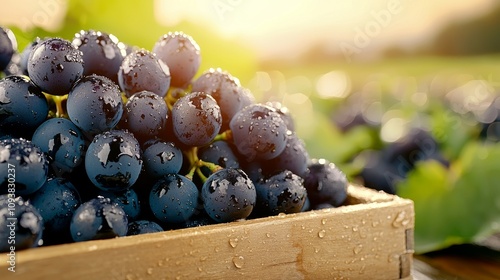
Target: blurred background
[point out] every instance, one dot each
(402, 95)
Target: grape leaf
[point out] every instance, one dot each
(458, 205)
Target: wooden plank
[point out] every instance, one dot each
(361, 241)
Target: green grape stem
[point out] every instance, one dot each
(196, 164)
(224, 136)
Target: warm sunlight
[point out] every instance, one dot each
(283, 28)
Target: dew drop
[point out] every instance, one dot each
(358, 249)
(400, 220)
(233, 242)
(321, 233)
(323, 221)
(394, 257)
(238, 261)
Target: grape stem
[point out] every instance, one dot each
(224, 136)
(196, 164)
(60, 111)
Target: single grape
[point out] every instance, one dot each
(8, 46)
(98, 218)
(161, 158)
(181, 54)
(378, 174)
(95, 104)
(196, 119)
(55, 65)
(228, 195)
(56, 201)
(23, 167)
(113, 160)
(25, 54)
(294, 158)
(142, 70)
(173, 198)
(220, 153)
(145, 115)
(62, 142)
(21, 224)
(127, 200)
(284, 112)
(23, 107)
(325, 183)
(102, 53)
(226, 90)
(281, 193)
(258, 132)
(143, 227)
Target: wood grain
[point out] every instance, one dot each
(369, 239)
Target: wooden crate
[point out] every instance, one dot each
(370, 238)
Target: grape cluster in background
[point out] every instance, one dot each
(108, 139)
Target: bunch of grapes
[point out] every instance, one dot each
(99, 139)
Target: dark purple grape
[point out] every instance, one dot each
(181, 54)
(21, 224)
(127, 200)
(25, 54)
(196, 119)
(23, 107)
(102, 53)
(143, 227)
(379, 174)
(228, 195)
(95, 104)
(226, 90)
(325, 183)
(8, 46)
(98, 218)
(220, 153)
(56, 201)
(281, 193)
(258, 132)
(294, 158)
(145, 115)
(142, 70)
(62, 142)
(113, 160)
(173, 198)
(418, 145)
(55, 65)
(284, 113)
(23, 167)
(161, 158)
